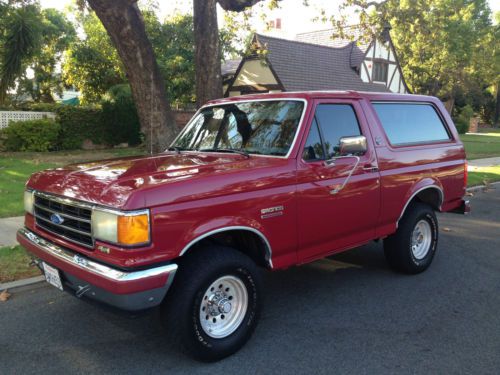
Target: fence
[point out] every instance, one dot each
(7, 116)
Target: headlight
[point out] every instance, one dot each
(28, 201)
(124, 228)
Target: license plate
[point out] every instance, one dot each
(52, 276)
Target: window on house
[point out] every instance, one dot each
(380, 71)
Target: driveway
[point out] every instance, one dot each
(347, 314)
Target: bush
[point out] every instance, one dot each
(119, 117)
(42, 107)
(80, 123)
(462, 120)
(33, 135)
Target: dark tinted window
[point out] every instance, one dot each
(406, 123)
(313, 149)
(380, 71)
(336, 121)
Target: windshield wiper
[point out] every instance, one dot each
(177, 149)
(232, 150)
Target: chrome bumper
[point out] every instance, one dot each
(122, 289)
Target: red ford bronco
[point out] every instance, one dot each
(263, 181)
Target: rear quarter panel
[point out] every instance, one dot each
(406, 169)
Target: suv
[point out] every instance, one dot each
(260, 181)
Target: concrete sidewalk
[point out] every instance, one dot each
(8, 229)
(487, 162)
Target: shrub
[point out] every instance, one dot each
(32, 135)
(119, 116)
(80, 123)
(462, 120)
(42, 107)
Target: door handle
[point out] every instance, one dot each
(370, 167)
(329, 163)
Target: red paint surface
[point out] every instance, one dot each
(191, 194)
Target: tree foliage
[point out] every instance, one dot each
(57, 32)
(92, 64)
(19, 40)
(446, 47)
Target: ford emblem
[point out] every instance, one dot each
(56, 219)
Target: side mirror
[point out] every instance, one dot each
(352, 145)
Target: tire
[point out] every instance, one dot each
(203, 317)
(412, 248)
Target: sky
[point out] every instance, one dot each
(295, 17)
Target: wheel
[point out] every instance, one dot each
(412, 248)
(215, 302)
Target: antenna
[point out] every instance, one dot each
(151, 118)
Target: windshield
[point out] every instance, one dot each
(258, 127)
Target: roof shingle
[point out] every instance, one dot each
(303, 66)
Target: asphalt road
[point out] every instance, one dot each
(348, 314)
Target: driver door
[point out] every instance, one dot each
(333, 216)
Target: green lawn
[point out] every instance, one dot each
(484, 175)
(16, 167)
(15, 264)
(479, 146)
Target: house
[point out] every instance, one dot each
(315, 61)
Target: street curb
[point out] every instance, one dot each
(21, 283)
(480, 187)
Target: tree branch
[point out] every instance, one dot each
(237, 5)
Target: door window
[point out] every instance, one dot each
(336, 121)
(313, 149)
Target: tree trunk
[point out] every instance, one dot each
(125, 25)
(496, 117)
(449, 104)
(207, 51)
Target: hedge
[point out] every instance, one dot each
(462, 120)
(80, 123)
(32, 135)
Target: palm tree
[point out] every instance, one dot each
(17, 44)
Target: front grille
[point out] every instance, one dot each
(76, 225)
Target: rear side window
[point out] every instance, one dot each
(408, 123)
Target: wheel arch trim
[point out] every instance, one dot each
(268, 249)
(416, 192)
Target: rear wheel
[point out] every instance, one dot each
(411, 249)
(215, 302)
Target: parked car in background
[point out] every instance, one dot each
(255, 182)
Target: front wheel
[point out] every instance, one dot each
(411, 249)
(215, 302)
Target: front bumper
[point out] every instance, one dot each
(132, 291)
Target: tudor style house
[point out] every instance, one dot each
(315, 61)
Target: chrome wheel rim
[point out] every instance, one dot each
(223, 307)
(421, 239)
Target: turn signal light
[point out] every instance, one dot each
(133, 230)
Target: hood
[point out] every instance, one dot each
(119, 182)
